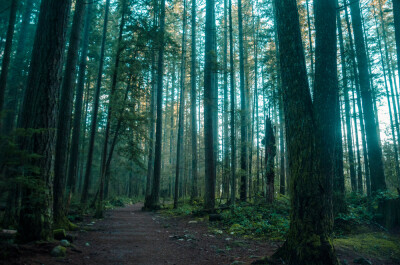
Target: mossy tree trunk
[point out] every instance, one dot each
(308, 241)
(39, 114)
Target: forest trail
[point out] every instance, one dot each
(129, 236)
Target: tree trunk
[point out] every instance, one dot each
(193, 105)
(308, 241)
(243, 111)
(341, 188)
(64, 118)
(270, 152)
(210, 69)
(38, 113)
(179, 148)
(226, 162)
(150, 159)
(76, 131)
(111, 103)
(233, 107)
(326, 99)
(93, 126)
(373, 145)
(152, 202)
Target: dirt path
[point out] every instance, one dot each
(130, 236)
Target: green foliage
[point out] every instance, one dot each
(184, 210)
(361, 211)
(119, 202)
(377, 245)
(261, 220)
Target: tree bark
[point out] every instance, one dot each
(76, 131)
(39, 114)
(153, 200)
(270, 152)
(346, 103)
(111, 103)
(326, 100)
(210, 69)
(243, 111)
(179, 148)
(308, 241)
(373, 145)
(193, 105)
(233, 107)
(93, 126)
(64, 117)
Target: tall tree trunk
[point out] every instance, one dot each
(280, 103)
(339, 185)
(373, 145)
(179, 148)
(210, 69)
(38, 113)
(93, 126)
(153, 200)
(243, 111)
(308, 240)
(76, 131)
(150, 159)
(346, 103)
(64, 117)
(7, 52)
(355, 78)
(225, 178)
(193, 105)
(326, 99)
(233, 107)
(111, 103)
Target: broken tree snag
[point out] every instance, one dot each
(270, 152)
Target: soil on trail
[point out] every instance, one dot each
(130, 236)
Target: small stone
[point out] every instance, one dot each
(192, 222)
(228, 239)
(87, 244)
(64, 243)
(58, 251)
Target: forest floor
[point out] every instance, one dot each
(129, 236)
